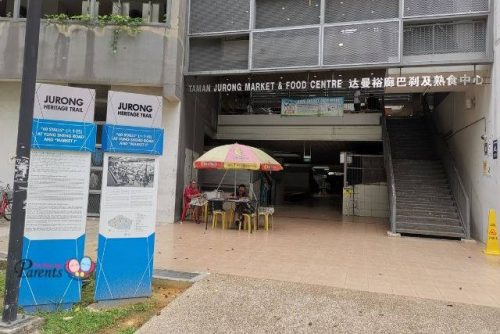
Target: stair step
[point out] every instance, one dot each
(449, 205)
(425, 195)
(419, 175)
(416, 203)
(429, 227)
(423, 192)
(420, 192)
(445, 213)
(423, 173)
(428, 220)
(430, 232)
(410, 182)
(416, 165)
(419, 184)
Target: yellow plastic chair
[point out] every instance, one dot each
(230, 218)
(266, 212)
(215, 219)
(248, 219)
(205, 212)
(266, 219)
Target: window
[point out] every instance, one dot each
(6, 8)
(151, 11)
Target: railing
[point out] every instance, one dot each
(391, 186)
(457, 186)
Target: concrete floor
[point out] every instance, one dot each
(315, 245)
(235, 304)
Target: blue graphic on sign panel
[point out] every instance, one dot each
(63, 135)
(131, 139)
(124, 267)
(45, 283)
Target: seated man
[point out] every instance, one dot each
(190, 192)
(242, 207)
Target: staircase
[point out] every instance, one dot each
(424, 201)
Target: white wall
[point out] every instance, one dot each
(9, 116)
(168, 162)
(467, 126)
(370, 200)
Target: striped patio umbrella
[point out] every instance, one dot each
(237, 157)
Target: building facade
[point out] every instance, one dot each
(185, 48)
(355, 43)
(75, 49)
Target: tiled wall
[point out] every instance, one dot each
(367, 200)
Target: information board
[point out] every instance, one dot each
(132, 140)
(319, 106)
(57, 196)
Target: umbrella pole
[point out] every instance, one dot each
(222, 180)
(254, 197)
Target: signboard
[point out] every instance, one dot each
(128, 139)
(321, 106)
(136, 110)
(53, 102)
(56, 207)
(431, 80)
(63, 135)
(132, 140)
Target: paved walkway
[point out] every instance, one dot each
(318, 246)
(232, 304)
(324, 248)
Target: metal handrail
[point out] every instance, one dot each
(457, 186)
(390, 174)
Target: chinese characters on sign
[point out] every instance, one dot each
(436, 80)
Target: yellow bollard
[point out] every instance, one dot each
(492, 245)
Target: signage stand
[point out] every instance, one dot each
(132, 141)
(63, 137)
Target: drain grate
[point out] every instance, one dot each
(177, 275)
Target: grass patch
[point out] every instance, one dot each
(83, 320)
(120, 320)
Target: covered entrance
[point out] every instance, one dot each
(306, 121)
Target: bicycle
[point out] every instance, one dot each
(6, 202)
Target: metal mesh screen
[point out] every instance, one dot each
(286, 13)
(463, 37)
(218, 53)
(95, 179)
(285, 48)
(360, 10)
(437, 7)
(94, 205)
(361, 44)
(218, 15)
(97, 158)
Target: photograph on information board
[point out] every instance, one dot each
(131, 172)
